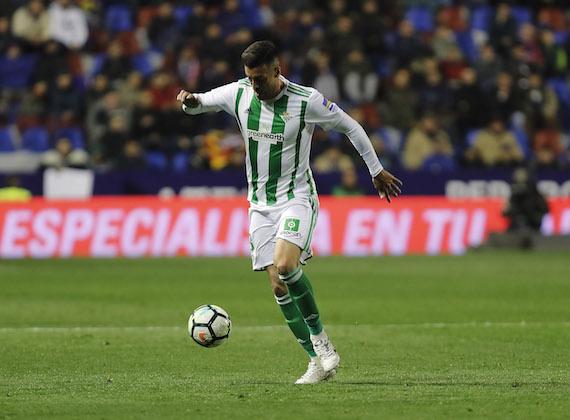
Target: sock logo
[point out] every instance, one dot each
(292, 225)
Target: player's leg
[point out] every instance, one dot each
(262, 232)
(290, 311)
(294, 232)
(287, 256)
(315, 372)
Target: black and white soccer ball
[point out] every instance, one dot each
(209, 325)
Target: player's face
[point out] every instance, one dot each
(264, 80)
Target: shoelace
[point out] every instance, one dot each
(325, 347)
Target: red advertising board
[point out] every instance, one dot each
(149, 226)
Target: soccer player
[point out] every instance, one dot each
(276, 118)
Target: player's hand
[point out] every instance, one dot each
(387, 185)
(188, 99)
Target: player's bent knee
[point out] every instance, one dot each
(285, 267)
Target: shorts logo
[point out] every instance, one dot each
(291, 225)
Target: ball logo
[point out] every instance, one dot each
(202, 336)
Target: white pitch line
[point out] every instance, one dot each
(427, 325)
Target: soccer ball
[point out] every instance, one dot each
(209, 325)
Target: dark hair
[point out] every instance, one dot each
(259, 53)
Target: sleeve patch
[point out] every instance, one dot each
(328, 104)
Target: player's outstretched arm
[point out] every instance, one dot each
(219, 99)
(329, 116)
(387, 185)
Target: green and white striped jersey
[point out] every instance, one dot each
(277, 135)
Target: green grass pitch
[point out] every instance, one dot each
(486, 335)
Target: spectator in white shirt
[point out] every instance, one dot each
(68, 24)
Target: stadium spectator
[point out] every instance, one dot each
(556, 58)
(516, 64)
(68, 24)
(30, 23)
(15, 69)
(51, 62)
(131, 156)
(424, 141)
(342, 39)
(453, 65)
(65, 98)
(359, 81)
(99, 117)
(34, 105)
(348, 184)
(6, 37)
(196, 23)
(371, 31)
(189, 67)
(130, 89)
(435, 95)
(145, 120)
(548, 146)
(504, 99)
(332, 160)
(97, 89)
(117, 64)
(541, 103)
(443, 42)
(398, 109)
(526, 206)
(503, 29)
(214, 41)
(495, 146)
(468, 103)
(163, 31)
(531, 46)
(64, 155)
(318, 73)
(488, 67)
(13, 191)
(407, 46)
(113, 140)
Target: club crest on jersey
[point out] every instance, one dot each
(285, 116)
(328, 104)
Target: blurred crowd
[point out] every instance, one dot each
(437, 84)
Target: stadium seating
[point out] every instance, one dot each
(36, 139)
(522, 14)
(156, 160)
(421, 18)
(6, 140)
(481, 18)
(181, 14)
(118, 18)
(180, 162)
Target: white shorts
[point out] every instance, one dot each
(293, 221)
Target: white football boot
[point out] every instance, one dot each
(314, 374)
(326, 352)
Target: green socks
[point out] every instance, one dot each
(296, 322)
(302, 295)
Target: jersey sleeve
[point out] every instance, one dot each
(330, 116)
(219, 99)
